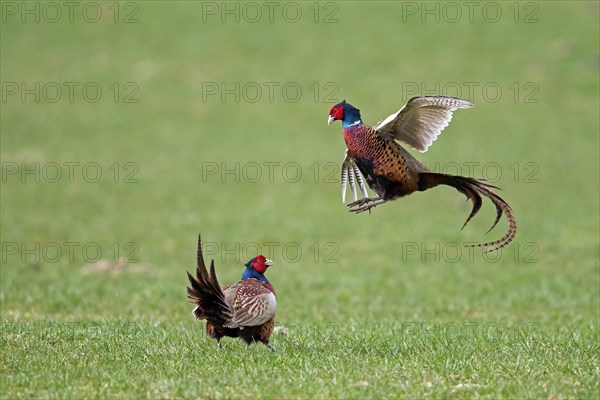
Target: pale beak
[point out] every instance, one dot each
(330, 120)
(269, 263)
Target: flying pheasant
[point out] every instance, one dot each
(245, 309)
(391, 172)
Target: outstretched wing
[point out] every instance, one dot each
(421, 120)
(252, 304)
(351, 173)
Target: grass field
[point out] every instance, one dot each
(130, 129)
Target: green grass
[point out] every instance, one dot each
(373, 308)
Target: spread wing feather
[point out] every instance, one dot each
(351, 174)
(421, 120)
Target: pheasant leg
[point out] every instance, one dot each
(365, 204)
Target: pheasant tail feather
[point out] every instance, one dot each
(473, 189)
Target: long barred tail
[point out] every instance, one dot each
(206, 293)
(473, 189)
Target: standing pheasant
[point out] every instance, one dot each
(245, 309)
(391, 172)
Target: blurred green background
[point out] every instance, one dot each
(169, 96)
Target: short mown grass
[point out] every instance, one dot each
(386, 305)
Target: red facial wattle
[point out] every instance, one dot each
(337, 112)
(259, 264)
